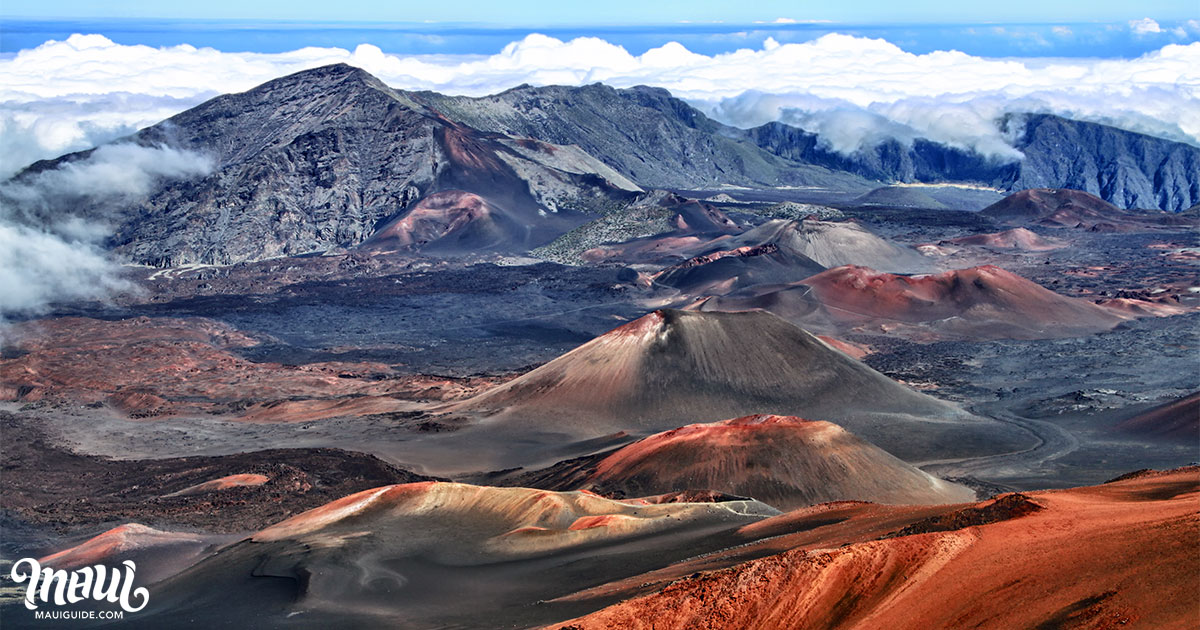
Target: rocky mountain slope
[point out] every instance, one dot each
(322, 158)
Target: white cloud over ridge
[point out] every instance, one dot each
(69, 95)
(47, 252)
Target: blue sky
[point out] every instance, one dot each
(1019, 28)
(1122, 38)
(515, 13)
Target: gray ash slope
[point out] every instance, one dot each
(670, 368)
(644, 133)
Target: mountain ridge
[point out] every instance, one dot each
(324, 158)
(1102, 160)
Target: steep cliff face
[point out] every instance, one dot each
(1128, 169)
(323, 158)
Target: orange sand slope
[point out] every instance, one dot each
(226, 482)
(444, 554)
(157, 553)
(784, 461)
(481, 524)
(1117, 555)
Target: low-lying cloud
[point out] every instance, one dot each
(42, 128)
(67, 95)
(52, 223)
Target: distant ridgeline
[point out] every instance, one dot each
(660, 141)
(332, 158)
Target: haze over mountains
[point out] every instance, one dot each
(327, 157)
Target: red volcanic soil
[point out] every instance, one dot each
(1063, 207)
(437, 555)
(159, 367)
(856, 350)
(467, 148)
(224, 483)
(120, 539)
(452, 219)
(1178, 420)
(456, 555)
(786, 462)
(1016, 238)
(656, 249)
(1053, 206)
(1131, 308)
(514, 522)
(157, 554)
(1118, 555)
(981, 302)
(693, 225)
(742, 252)
(432, 218)
(694, 217)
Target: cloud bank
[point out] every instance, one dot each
(48, 253)
(68, 95)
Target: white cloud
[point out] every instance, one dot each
(64, 95)
(1144, 26)
(40, 129)
(48, 252)
(121, 169)
(38, 268)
